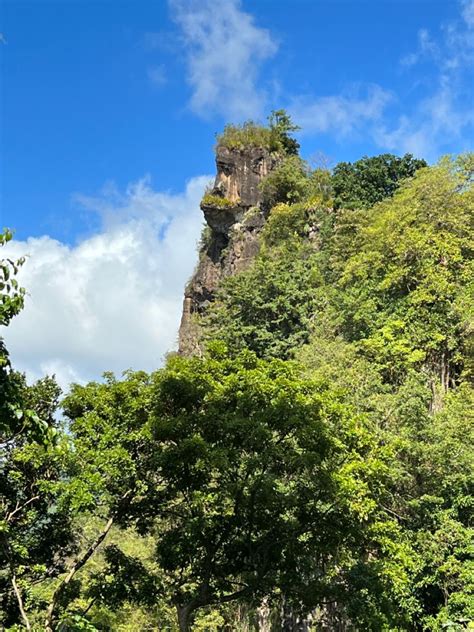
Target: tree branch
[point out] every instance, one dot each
(16, 589)
(19, 508)
(77, 566)
(19, 599)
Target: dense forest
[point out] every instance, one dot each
(311, 468)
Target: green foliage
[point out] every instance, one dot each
(75, 623)
(107, 423)
(400, 295)
(216, 201)
(248, 134)
(289, 224)
(288, 182)
(293, 181)
(285, 223)
(399, 291)
(205, 238)
(380, 304)
(342, 485)
(258, 471)
(268, 308)
(11, 294)
(438, 505)
(281, 125)
(370, 180)
(275, 138)
(35, 521)
(14, 417)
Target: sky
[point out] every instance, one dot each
(108, 116)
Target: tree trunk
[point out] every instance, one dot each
(293, 622)
(263, 617)
(184, 613)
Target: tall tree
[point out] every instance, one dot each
(263, 482)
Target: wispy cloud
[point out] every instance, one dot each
(434, 123)
(425, 127)
(427, 47)
(447, 112)
(113, 301)
(468, 13)
(341, 115)
(225, 51)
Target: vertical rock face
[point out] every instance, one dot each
(234, 220)
(239, 173)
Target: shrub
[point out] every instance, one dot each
(289, 182)
(216, 201)
(275, 138)
(248, 134)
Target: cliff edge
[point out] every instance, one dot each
(234, 219)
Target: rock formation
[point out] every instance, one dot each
(234, 218)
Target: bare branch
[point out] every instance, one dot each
(19, 508)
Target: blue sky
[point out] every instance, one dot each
(108, 114)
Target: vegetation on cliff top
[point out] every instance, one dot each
(275, 138)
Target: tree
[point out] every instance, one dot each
(12, 295)
(370, 180)
(12, 418)
(34, 524)
(269, 307)
(107, 426)
(402, 294)
(289, 182)
(281, 125)
(275, 137)
(438, 506)
(263, 482)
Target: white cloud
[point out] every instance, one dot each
(341, 115)
(425, 127)
(447, 112)
(427, 47)
(454, 48)
(113, 301)
(225, 51)
(437, 120)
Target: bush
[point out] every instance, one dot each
(284, 223)
(275, 138)
(217, 201)
(248, 134)
(289, 182)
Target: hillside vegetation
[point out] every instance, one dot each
(312, 471)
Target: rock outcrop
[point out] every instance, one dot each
(234, 218)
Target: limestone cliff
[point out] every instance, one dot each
(234, 218)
